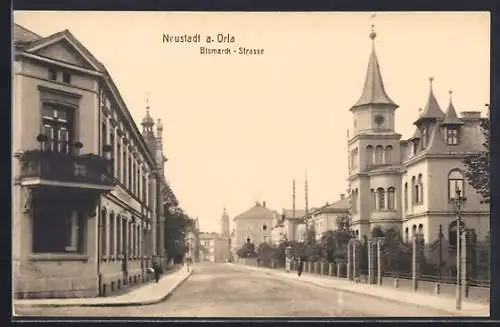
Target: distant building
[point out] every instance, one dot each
(253, 225)
(325, 218)
(214, 247)
(411, 184)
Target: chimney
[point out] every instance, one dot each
(471, 114)
(342, 196)
(264, 204)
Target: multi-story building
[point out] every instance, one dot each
(253, 225)
(207, 246)
(411, 184)
(85, 195)
(325, 218)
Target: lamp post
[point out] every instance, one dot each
(458, 205)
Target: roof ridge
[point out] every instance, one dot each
(28, 30)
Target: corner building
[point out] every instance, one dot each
(410, 184)
(85, 189)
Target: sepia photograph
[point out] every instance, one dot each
(247, 165)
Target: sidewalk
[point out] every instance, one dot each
(150, 293)
(446, 304)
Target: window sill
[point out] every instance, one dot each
(58, 257)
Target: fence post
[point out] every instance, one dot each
(416, 260)
(330, 269)
(338, 270)
(349, 259)
(465, 262)
(371, 261)
(379, 261)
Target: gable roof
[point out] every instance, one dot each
(21, 35)
(299, 213)
(256, 212)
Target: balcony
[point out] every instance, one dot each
(51, 168)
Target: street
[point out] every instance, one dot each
(223, 290)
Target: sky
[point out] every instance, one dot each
(240, 128)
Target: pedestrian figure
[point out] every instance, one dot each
(300, 267)
(156, 269)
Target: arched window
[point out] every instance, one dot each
(414, 230)
(406, 196)
(420, 189)
(414, 190)
(357, 200)
(455, 183)
(391, 202)
(420, 229)
(354, 158)
(369, 155)
(388, 154)
(381, 198)
(379, 155)
(373, 200)
(407, 236)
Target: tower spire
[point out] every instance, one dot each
(432, 111)
(451, 118)
(373, 89)
(293, 199)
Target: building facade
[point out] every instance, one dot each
(253, 225)
(85, 189)
(411, 184)
(325, 218)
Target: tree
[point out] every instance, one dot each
(247, 250)
(477, 166)
(176, 226)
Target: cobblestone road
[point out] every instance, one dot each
(221, 290)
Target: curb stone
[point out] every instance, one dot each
(118, 304)
(339, 288)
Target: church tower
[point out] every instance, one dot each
(373, 146)
(225, 224)
(147, 130)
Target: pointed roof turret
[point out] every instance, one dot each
(373, 89)
(451, 117)
(432, 110)
(147, 121)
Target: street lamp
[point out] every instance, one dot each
(458, 205)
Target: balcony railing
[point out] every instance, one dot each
(66, 167)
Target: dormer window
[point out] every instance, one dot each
(415, 147)
(452, 135)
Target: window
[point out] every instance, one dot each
(381, 198)
(118, 161)
(379, 155)
(129, 174)
(104, 232)
(415, 147)
(373, 199)
(264, 227)
(388, 154)
(414, 230)
(354, 158)
(57, 229)
(455, 182)
(391, 198)
(406, 234)
(132, 177)
(57, 125)
(119, 231)
(144, 189)
(423, 144)
(420, 189)
(415, 192)
(406, 196)
(452, 136)
(124, 161)
(369, 155)
(112, 223)
(104, 134)
(66, 77)
(420, 229)
(452, 232)
(52, 74)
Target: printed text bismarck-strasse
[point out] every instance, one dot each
(228, 42)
